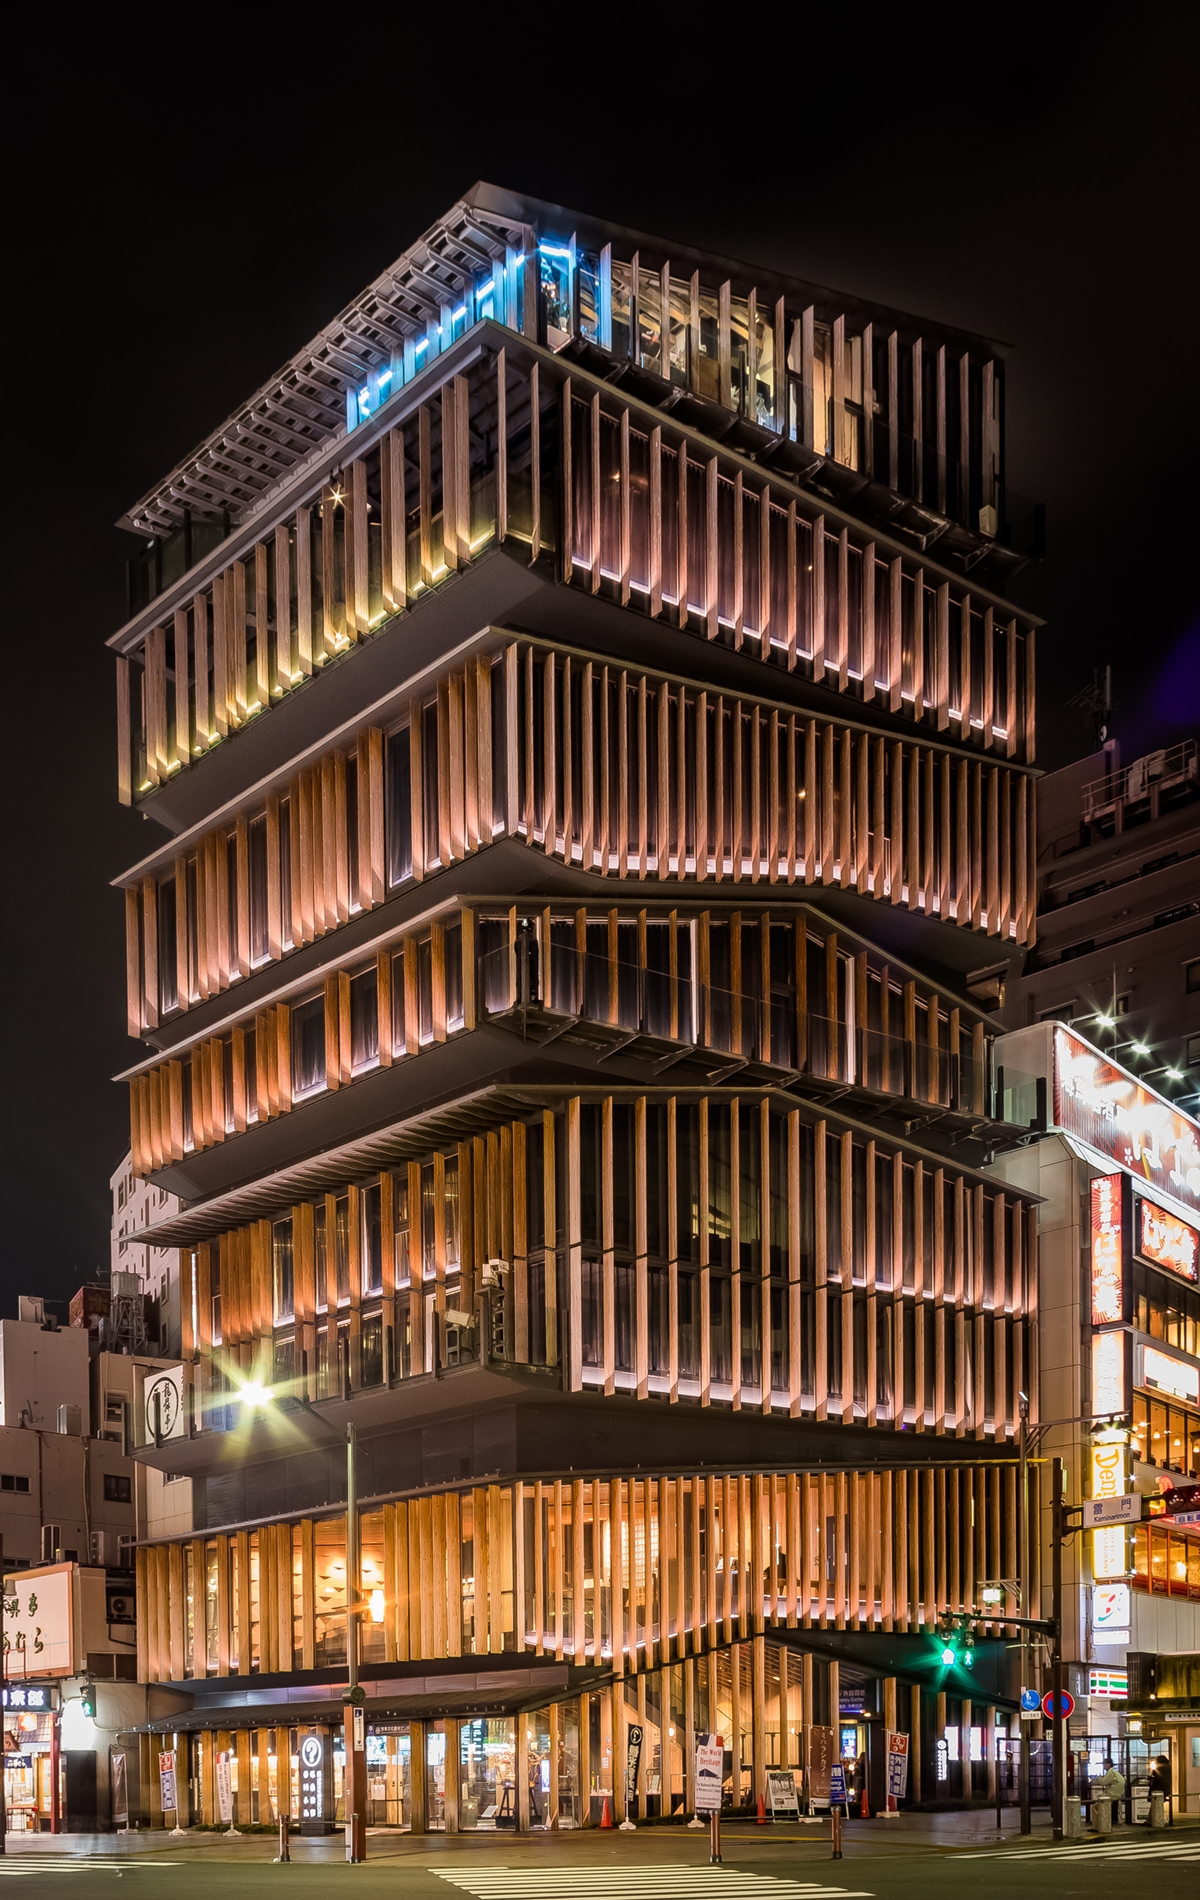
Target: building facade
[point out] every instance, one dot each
(1118, 940)
(593, 751)
(1117, 1169)
(135, 1204)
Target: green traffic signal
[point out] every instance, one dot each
(949, 1657)
(87, 1702)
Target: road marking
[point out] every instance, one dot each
(669, 1882)
(1089, 1850)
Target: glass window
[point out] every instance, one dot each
(400, 1206)
(372, 1256)
(364, 1020)
(399, 808)
(257, 850)
(308, 1046)
(168, 991)
(281, 1256)
(341, 1245)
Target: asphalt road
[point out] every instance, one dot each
(916, 1857)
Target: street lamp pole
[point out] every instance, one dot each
(1023, 1794)
(355, 1715)
(1058, 1724)
(353, 1566)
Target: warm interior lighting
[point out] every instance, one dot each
(377, 1606)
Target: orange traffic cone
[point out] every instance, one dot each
(762, 1812)
(606, 1819)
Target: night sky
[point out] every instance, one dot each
(181, 220)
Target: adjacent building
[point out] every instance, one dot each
(1118, 937)
(1117, 1169)
(592, 752)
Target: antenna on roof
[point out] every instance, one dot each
(1095, 702)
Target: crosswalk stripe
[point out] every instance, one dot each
(667, 1882)
(1092, 1850)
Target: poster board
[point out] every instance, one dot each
(782, 1798)
(710, 1773)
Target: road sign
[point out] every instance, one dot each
(1126, 1509)
(1031, 1702)
(1068, 1705)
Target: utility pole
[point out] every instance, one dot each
(1058, 1726)
(355, 1714)
(1023, 1794)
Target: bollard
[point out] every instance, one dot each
(714, 1838)
(284, 1851)
(1158, 1810)
(1102, 1811)
(356, 1839)
(1073, 1818)
(835, 1814)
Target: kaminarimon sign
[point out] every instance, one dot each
(1117, 1116)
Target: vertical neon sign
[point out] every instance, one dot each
(1108, 1292)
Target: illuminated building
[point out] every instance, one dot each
(1118, 1167)
(592, 748)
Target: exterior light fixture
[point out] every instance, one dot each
(993, 1594)
(1141, 1048)
(1106, 1022)
(1174, 1075)
(255, 1394)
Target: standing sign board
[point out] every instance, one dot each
(166, 1781)
(897, 1770)
(820, 1763)
(838, 1797)
(781, 1792)
(710, 1773)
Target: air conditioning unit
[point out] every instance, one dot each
(31, 1308)
(70, 1421)
(51, 1543)
(100, 1548)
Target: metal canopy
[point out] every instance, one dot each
(303, 406)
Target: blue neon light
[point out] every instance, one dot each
(551, 250)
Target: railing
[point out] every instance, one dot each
(1171, 766)
(623, 1002)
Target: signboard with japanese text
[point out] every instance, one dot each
(39, 1622)
(633, 1758)
(224, 1789)
(1118, 1116)
(820, 1762)
(1108, 1263)
(897, 1770)
(710, 1773)
(119, 1786)
(1166, 1241)
(166, 1781)
(1110, 1380)
(312, 1778)
(838, 1797)
(163, 1404)
(1159, 1371)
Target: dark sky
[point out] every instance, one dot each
(181, 220)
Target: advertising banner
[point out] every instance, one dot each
(710, 1773)
(119, 1787)
(1108, 1265)
(897, 1770)
(838, 1797)
(1121, 1118)
(166, 1781)
(781, 1792)
(633, 1759)
(224, 1789)
(820, 1763)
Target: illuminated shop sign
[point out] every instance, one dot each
(1108, 1290)
(1159, 1372)
(38, 1699)
(1110, 1612)
(1112, 1683)
(1109, 1390)
(1117, 1116)
(1167, 1241)
(1109, 1478)
(312, 1778)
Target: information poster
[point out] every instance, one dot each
(897, 1770)
(166, 1781)
(838, 1797)
(710, 1773)
(781, 1792)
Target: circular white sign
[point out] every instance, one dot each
(311, 1751)
(162, 1407)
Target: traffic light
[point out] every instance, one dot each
(87, 1700)
(957, 1641)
